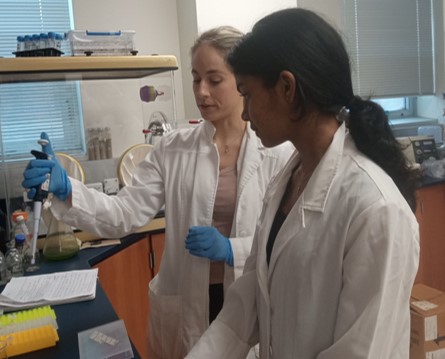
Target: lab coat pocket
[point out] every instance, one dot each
(165, 325)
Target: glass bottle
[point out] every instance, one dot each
(60, 242)
(14, 263)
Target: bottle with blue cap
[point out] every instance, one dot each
(20, 240)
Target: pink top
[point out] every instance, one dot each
(223, 214)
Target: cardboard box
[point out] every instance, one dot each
(427, 323)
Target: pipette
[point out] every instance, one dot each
(40, 196)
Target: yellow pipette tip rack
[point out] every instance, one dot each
(29, 330)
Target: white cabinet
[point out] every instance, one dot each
(110, 96)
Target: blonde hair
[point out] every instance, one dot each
(222, 38)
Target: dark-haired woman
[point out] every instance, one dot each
(336, 248)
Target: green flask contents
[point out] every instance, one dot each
(60, 242)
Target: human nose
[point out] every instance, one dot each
(244, 114)
(201, 89)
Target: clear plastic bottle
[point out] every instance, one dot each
(20, 240)
(14, 263)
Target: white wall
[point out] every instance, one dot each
(331, 10)
(241, 14)
(116, 103)
(170, 27)
(195, 16)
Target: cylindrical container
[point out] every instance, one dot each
(52, 40)
(20, 240)
(14, 263)
(35, 44)
(20, 43)
(43, 41)
(58, 43)
(28, 43)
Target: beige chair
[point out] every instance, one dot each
(71, 165)
(130, 160)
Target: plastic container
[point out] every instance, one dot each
(105, 342)
(105, 43)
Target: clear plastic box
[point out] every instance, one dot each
(101, 43)
(105, 342)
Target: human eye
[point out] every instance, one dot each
(215, 80)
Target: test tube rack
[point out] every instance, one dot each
(29, 330)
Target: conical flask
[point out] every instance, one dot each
(60, 242)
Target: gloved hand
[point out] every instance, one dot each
(37, 172)
(208, 242)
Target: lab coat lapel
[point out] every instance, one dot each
(201, 213)
(271, 203)
(312, 200)
(250, 158)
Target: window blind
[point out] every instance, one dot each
(27, 109)
(391, 44)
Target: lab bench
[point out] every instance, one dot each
(75, 317)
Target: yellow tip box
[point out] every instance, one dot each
(427, 323)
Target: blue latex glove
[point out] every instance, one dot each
(37, 172)
(208, 242)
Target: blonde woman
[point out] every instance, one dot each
(211, 179)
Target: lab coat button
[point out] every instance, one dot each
(243, 233)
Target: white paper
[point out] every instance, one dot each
(54, 288)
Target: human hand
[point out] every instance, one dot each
(208, 242)
(37, 171)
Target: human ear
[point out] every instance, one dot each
(288, 86)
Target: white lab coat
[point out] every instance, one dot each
(182, 173)
(340, 274)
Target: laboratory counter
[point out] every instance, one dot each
(75, 317)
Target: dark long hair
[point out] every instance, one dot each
(300, 41)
